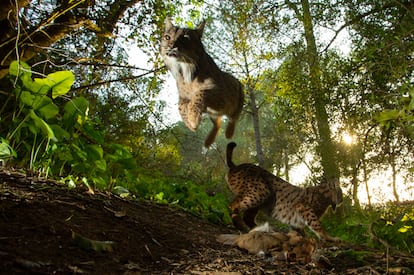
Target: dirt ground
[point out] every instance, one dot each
(46, 228)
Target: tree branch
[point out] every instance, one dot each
(357, 19)
(105, 82)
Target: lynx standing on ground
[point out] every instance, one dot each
(202, 86)
(256, 188)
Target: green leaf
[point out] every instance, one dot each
(46, 108)
(94, 151)
(27, 98)
(41, 124)
(82, 155)
(75, 107)
(60, 133)
(61, 82)
(40, 86)
(121, 191)
(411, 105)
(5, 150)
(22, 71)
(100, 164)
(93, 133)
(388, 115)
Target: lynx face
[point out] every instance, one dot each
(256, 188)
(202, 86)
(180, 49)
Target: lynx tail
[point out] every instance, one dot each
(229, 152)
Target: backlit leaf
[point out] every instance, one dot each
(62, 82)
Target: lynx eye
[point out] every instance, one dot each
(167, 37)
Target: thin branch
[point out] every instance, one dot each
(355, 20)
(92, 62)
(105, 82)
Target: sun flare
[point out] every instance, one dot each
(347, 138)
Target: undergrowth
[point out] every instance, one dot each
(381, 226)
(56, 137)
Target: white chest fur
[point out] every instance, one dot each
(180, 69)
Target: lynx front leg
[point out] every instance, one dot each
(312, 220)
(183, 109)
(194, 112)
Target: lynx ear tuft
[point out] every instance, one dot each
(200, 28)
(168, 24)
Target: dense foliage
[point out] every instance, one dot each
(76, 108)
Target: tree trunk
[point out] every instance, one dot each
(366, 182)
(256, 126)
(355, 186)
(286, 163)
(326, 148)
(394, 176)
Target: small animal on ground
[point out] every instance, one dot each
(263, 240)
(202, 86)
(257, 189)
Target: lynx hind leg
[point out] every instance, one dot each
(247, 205)
(213, 133)
(231, 126)
(234, 117)
(250, 216)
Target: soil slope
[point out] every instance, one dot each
(47, 228)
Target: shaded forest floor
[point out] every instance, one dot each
(47, 228)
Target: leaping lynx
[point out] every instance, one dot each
(256, 188)
(202, 86)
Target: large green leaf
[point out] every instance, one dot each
(59, 82)
(41, 124)
(40, 86)
(62, 82)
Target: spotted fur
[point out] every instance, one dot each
(255, 189)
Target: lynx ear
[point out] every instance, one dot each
(168, 24)
(200, 28)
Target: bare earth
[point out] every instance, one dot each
(46, 228)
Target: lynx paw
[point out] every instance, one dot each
(193, 118)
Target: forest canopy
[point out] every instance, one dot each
(329, 89)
